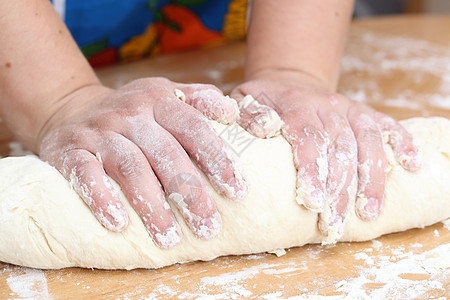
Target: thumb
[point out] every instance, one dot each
(258, 119)
(209, 100)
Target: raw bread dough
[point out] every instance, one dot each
(44, 224)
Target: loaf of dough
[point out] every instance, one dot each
(44, 224)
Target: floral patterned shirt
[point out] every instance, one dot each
(110, 31)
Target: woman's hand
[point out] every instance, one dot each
(337, 146)
(144, 136)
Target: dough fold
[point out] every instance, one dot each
(44, 224)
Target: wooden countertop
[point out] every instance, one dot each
(399, 65)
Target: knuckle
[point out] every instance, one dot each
(130, 166)
(76, 160)
(148, 82)
(370, 135)
(84, 137)
(335, 99)
(204, 86)
(167, 155)
(314, 134)
(160, 80)
(311, 130)
(293, 94)
(338, 120)
(345, 148)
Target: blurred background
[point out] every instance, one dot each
(368, 8)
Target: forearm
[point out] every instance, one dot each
(40, 64)
(297, 39)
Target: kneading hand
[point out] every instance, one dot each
(337, 146)
(144, 136)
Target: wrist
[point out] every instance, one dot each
(68, 106)
(291, 76)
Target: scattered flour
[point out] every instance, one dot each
(377, 244)
(419, 60)
(423, 66)
(396, 279)
(32, 284)
(363, 256)
(400, 275)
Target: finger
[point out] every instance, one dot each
(260, 120)
(205, 147)
(210, 101)
(401, 141)
(206, 98)
(180, 179)
(304, 131)
(128, 166)
(342, 175)
(372, 165)
(85, 173)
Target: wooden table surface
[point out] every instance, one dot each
(399, 65)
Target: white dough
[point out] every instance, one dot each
(44, 224)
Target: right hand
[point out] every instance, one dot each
(144, 136)
(337, 145)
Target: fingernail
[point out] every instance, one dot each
(169, 238)
(309, 196)
(208, 228)
(240, 188)
(411, 161)
(266, 125)
(331, 224)
(180, 95)
(233, 183)
(332, 232)
(230, 113)
(368, 209)
(262, 120)
(116, 218)
(236, 189)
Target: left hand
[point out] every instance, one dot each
(146, 136)
(337, 145)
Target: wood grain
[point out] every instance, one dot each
(400, 90)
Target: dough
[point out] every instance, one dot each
(44, 224)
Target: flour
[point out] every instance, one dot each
(363, 256)
(399, 274)
(235, 283)
(422, 66)
(377, 244)
(396, 279)
(32, 284)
